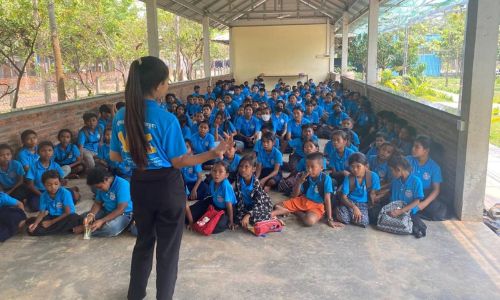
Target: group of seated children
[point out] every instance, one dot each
(369, 161)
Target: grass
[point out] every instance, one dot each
(495, 133)
(439, 83)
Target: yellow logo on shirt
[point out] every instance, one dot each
(123, 141)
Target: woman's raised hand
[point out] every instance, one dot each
(223, 145)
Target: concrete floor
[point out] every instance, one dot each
(456, 260)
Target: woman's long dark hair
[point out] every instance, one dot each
(145, 74)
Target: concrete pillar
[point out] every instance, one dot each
(152, 25)
(331, 45)
(371, 66)
(345, 42)
(206, 47)
(476, 100)
(231, 52)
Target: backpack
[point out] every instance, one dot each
(206, 224)
(321, 184)
(400, 225)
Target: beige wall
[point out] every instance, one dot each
(279, 50)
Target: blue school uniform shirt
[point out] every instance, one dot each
(340, 163)
(312, 192)
(372, 151)
(298, 145)
(190, 174)
(296, 129)
(407, 191)
(36, 171)
(103, 124)
(335, 119)
(212, 95)
(246, 191)
(186, 132)
(381, 168)
(238, 99)
(202, 144)
(226, 127)
(119, 192)
(301, 166)
(7, 200)
(258, 145)
(360, 192)
(162, 131)
(260, 98)
(428, 173)
(55, 206)
(313, 117)
(248, 127)
(355, 138)
(66, 156)
(364, 119)
(103, 152)
(268, 160)
(233, 165)
(223, 194)
(280, 121)
(9, 177)
(89, 139)
(192, 109)
(26, 158)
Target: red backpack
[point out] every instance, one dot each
(206, 224)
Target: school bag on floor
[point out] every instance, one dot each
(206, 224)
(263, 227)
(286, 185)
(400, 225)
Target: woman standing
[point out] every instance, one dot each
(149, 138)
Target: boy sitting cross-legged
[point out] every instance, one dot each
(311, 195)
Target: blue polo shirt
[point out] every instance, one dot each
(103, 152)
(202, 144)
(36, 171)
(298, 145)
(226, 127)
(312, 192)
(355, 138)
(162, 131)
(246, 191)
(335, 119)
(301, 166)
(119, 192)
(428, 173)
(233, 165)
(296, 129)
(67, 155)
(381, 168)
(258, 145)
(223, 194)
(192, 109)
(26, 158)
(190, 174)
(9, 177)
(89, 139)
(313, 117)
(340, 163)
(360, 192)
(238, 98)
(248, 127)
(268, 160)
(407, 191)
(186, 132)
(103, 123)
(6, 200)
(55, 206)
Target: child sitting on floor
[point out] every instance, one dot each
(193, 178)
(67, 154)
(57, 210)
(312, 194)
(338, 156)
(12, 175)
(12, 216)
(232, 159)
(254, 204)
(29, 152)
(269, 162)
(89, 138)
(357, 191)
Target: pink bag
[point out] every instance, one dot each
(263, 227)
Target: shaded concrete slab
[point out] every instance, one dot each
(455, 261)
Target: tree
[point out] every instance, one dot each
(18, 34)
(358, 52)
(61, 92)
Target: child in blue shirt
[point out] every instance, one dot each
(348, 124)
(192, 106)
(380, 138)
(57, 210)
(193, 178)
(294, 128)
(269, 162)
(37, 169)
(408, 189)
(117, 168)
(308, 147)
(12, 216)
(105, 117)
(248, 128)
(111, 212)
(311, 195)
(338, 155)
(89, 138)
(297, 145)
(202, 141)
(222, 125)
(254, 204)
(67, 154)
(335, 119)
(222, 197)
(185, 128)
(28, 153)
(311, 115)
(232, 160)
(405, 139)
(12, 175)
(357, 192)
(429, 172)
(280, 119)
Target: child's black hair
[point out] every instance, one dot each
(318, 156)
(381, 134)
(248, 158)
(304, 127)
(248, 105)
(196, 87)
(399, 161)
(97, 175)
(268, 136)
(6, 147)
(340, 133)
(63, 131)
(88, 115)
(298, 108)
(267, 126)
(104, 109)
(310, 141)
(223, 164)
(424, 140)
(43, 144)
(204, 122)
(206, 105)
(26, 133)
(119, 105)
(50, 174)
(358, 157)
(411, 130)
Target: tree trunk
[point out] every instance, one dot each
(178, 71)
(61, 92)
(446, 74)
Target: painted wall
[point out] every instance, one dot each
(279, 50)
